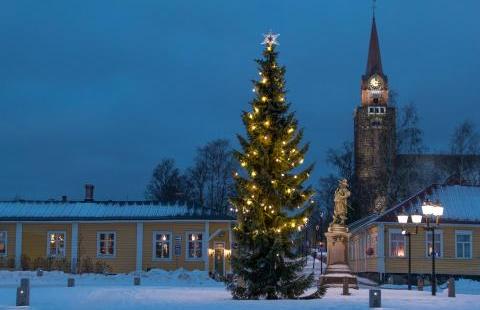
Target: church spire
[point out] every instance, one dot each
(374, 63)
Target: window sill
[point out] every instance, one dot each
(199, 259)
(106, 256)
(56, 257)
(155, 259)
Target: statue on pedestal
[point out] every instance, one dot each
(341, 203)
(338, 237)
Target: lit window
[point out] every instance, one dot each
(161, 245)
(371, 244)
(3, 243)
(463, 244)
(106, 244)
(397, 243)
(438, 243)
(56, 244)
(194, 245)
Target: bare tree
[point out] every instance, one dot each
(166, 183)
(341, 160)
(465, 150)
(409, 134)
(408, 176)
(210, 179)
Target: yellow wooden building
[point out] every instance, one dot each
(124, 236)
(378, 248)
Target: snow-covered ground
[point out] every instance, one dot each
(194, 290)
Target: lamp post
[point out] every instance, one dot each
(321, 241)
(432, 213)
(403, 219)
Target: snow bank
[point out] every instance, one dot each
(462, 286)
(154, 277)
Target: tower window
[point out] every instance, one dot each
(375, 100)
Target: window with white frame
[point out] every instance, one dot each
(162, 245)
(397, 243)
(371, 244)
(3, 243)
(106, 243)
(194, 245)
(56, 243)
(463, 244)
(362, 246)
(438, 247)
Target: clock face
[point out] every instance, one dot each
(375, 82)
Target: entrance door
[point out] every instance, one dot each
(220, 258)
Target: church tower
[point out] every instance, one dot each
(374, 134)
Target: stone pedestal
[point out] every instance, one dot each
(338, 270)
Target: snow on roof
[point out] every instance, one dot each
(461, 205)
(109, 210)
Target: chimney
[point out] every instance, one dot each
(89, 192)
(64, 198)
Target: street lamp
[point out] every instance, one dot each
(403, 219)
(321, 244)
(432, 213)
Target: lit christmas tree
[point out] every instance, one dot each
(271, 204)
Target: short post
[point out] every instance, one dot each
(345, 287)
(136, 280)
(420, 285)
(39, 273)
(451, 287)
(375, 298)
(70, 282)
(25, 283)
(23, 293)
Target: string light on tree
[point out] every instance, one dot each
(271, 152)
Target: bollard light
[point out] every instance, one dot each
(375, 298)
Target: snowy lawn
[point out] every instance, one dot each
(194, 290)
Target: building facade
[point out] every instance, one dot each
(122, 236)
(379, 249)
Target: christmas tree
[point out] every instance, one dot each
(271, 203)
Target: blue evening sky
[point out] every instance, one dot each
(100, 91)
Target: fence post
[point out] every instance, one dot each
(420, 284)
(345, 287)
(451, 287)
(136, 280)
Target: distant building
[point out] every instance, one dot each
(124, 236)
(379, 249)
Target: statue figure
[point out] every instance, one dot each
(341, 203)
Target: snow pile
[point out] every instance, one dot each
(154, 277)
(466, 286)
(462, 286)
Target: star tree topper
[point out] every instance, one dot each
(270, 39)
